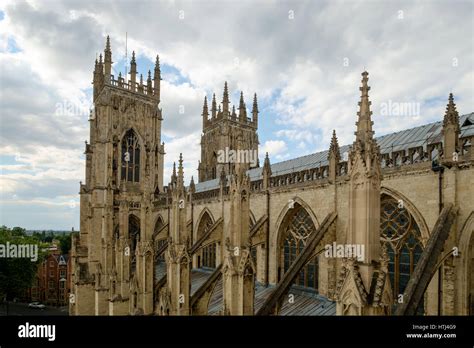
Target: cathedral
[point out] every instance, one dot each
(382, 226)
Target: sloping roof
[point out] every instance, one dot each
(305, 303)
(403, 140)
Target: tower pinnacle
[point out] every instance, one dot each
(205, 114)
(225, 100)
(364, 123)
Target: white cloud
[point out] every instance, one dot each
(275, 148)
(296, 66)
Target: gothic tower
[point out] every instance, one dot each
(124, 168)
(219, 137)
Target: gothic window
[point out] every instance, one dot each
(208, 253)
(401, 235)
(296, 233)
(130, 157)
(134, 237)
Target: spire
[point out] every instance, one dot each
(157, 78)
(255, 110)
(133, 72)
(234, 115)
(107, 44)
(120, 81)
(451, 115)
(173, 176)
(364, 123)
(107, 60)
(334, 148)
(192, 186)
(180, 172)
(149, 87)
(225, 100)
(205, 114)
(242, 110)
(214, 106)
(451, 131)
(266, 162)
(266, 172)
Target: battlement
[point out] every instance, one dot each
(225, 112)
(103, 76)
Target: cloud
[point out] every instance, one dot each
(275, 148)
(305, 69)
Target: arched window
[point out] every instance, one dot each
(207, 257)
(297, 229)
(401, 235)
(130, 157)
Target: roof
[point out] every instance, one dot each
(403, 140)
(305, 302)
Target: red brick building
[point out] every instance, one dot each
(52, 283)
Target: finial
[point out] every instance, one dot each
(241, 103)
(451, 115)
(133, 57)
(107, 44)
(255, 104)
(225, 99)
(334, 147)
(204, 108)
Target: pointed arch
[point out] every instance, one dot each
(420, 220)
(202, 214)
(207, 256)
(295, 226)
(401, 234)
(130, 156)
(159, 223)
(297, 201)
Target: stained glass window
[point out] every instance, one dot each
(130, 157)
(401, 235)
(296, 233)
(208, 253)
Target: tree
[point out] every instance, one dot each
(17, 274)
(65, 243)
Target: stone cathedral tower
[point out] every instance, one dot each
(124, 169)
(221, 133)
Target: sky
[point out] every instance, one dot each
(302, 58)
